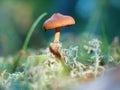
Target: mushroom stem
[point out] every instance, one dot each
(56, 40)
(55, 46)
(57, 35)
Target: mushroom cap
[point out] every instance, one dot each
(58, 20)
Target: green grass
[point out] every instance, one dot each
(25, 45)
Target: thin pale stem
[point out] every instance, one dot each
(57, 35)
(56, 40)
(54, 48)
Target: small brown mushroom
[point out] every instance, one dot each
(56, 21)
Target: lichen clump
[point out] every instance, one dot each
(43, 71)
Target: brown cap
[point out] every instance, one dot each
(58, 20)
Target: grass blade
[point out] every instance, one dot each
(31, 30)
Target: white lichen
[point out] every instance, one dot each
(94, 46)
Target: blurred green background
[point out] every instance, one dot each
(91, 16)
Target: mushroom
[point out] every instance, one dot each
(56, 21)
